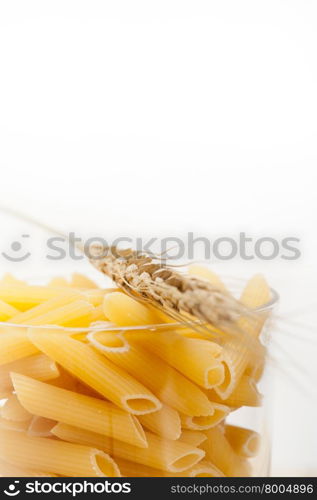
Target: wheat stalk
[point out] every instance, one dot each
(150, 279)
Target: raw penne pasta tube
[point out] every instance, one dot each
(8, 470)
(49, 455)
(165, 422)
(13, 425)
(96, 295)
(205, 469)
(236, 355)
(194, 438)
(75, 314)
(256, 294)
(245, 442)
(59, 282)
(220, 412)
(63, 299)
(15, 345)
(24, 297)
(170, 386)
(39, 366)
(80, 281)
(245, 394)
(163, 454)
(202, 469)
(98, 314)
(122, 310)
(9, 279)
(76, 409)
(41, 427)
(96, 371)
(108, 341)
(207, 274)
(199, 360)
(13, 410)
(221, 454)
(7, 311)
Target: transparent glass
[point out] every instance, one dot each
(164, 384)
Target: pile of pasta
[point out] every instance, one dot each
(90, 389)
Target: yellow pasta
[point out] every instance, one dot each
(207, 274)
(48, 307)
(8, 470)
(39, 366)
(108, 341)
(41, 427)
(80, 281)
(202, 469)
(245, 442)
(79, 313)
(199, 360)
(54, 456)
(170, 386)
(13, 410)
(194, 438)
(76, 409)
(96, 371)
(24, 297)
(14, 425)
(9, 279)
(165, 422)
(98, 314)
(220, 412)
(59, 282)
(236, 355)
(125, 311)
(220, 452)
(245, 394)
(7, 311)
(163, 454)
(15, 345)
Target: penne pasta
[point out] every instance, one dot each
(75, 314)
(202, 469)
(96, 371)
(194, 438)
(219, 452)
(122, 310)
(15, 345)
(199, 360)
(165, 422)
(108, 341)
(24, 297)
(245, 394)
(76, 409)
(9, 279)
(163, 454)
(7, 311)
(49, 455)
(236, 355)
(59, 282)
(170, 386)
(39, 366)
(13, 410)
(49, 306)
(205, 273)
(8, 470)
(219, 413)
(245, 442)
(13, 425)
(41, 427)
(80, 281)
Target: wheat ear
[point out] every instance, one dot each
(150, 279)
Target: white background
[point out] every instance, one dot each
(157, 118)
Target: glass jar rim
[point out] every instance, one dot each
(104, 326)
